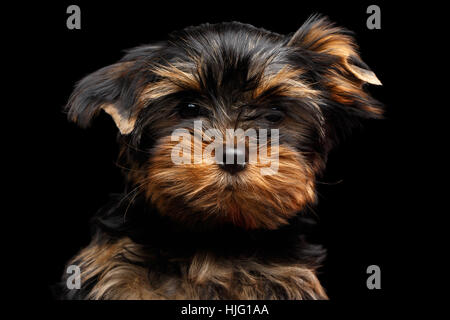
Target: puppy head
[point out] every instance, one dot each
(293, 94)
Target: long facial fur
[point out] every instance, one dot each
(235, 72)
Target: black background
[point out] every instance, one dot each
(363, 216)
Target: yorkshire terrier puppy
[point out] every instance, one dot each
(193, 227)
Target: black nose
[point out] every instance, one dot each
(236, 160)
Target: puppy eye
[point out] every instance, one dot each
(189, 110)
(275, 116)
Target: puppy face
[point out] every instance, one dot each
(304, 90)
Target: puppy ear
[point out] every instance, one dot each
(345, 73)
(107, 89)
(320, 35)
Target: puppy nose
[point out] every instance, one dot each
(236, 158)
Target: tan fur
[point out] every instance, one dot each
(202, 276)
(181, 75)
(124, 124)
(324, 37)
(288, 82)
(250, 199)
(345, 80)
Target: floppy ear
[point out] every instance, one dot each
(345, 72)
(107, 89)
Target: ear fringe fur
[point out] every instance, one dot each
(320, 35)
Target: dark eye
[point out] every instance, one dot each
(189, 110)
(275, 115)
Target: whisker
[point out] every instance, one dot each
(330, 183)
(129, 169)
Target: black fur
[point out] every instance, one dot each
(229, 52)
